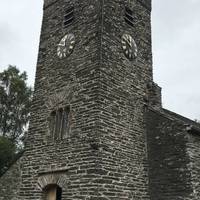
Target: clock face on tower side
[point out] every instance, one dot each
(66, 46)
(129, 47)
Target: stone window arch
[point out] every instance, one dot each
(57, 104)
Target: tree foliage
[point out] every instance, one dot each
(7, 153)
(15, 99)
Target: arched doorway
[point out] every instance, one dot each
(52, 192)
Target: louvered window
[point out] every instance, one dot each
(128, 16)
(69, 16)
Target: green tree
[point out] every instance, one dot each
(15, 100)
(7, 153)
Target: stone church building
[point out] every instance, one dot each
(98, 130)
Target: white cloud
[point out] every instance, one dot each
(19, 34)
(176, 46)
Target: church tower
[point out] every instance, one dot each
(98, 130)
(87, 137)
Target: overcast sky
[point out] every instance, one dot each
(176, 47)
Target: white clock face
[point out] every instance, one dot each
(129, 47)
(66, 46)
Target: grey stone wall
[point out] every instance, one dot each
(10, 182)
(192, 129)
(123, 85)
(70, 82)
(153, 96)
(169, 172)
(105, 153)
(193, 151)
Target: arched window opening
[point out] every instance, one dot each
(59, 123)
(53, 192)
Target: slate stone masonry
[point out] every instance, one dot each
(121, 144)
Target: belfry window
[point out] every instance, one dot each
(59, 123)
(53, 192)
(68, 17)
(128, 16)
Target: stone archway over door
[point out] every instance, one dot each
(52, 185)
(51, 179)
